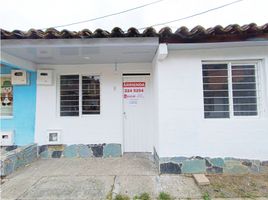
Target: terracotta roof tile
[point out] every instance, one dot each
(133, 32)
(85, 33)
(218, 33)
(117, 32)
(149, 32)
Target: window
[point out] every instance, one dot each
(69, 95)
(244, 90)
(6, 97)
(229, 90)
(79, 95)
(90, 95)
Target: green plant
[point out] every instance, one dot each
(206, 196)
(109, 196)
(143, 196)
(121, 197)
(164, 196)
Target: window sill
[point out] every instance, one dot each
(80, 116)
(235, 118)
(89, 115)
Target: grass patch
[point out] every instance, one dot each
(121, 197)
(206, 196)
(109, 196)
(164, 196)
(143, 196)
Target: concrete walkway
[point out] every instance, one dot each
(94, 179)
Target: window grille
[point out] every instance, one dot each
(90, 95)
(229, 90)
(79, 92)
(69, 95)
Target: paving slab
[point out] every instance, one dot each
(136, 185)
(68, 187)
(201, 179)
(179, 186)
(94, 178)
(12, 189)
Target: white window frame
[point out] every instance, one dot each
(80, 94)
(229, 63)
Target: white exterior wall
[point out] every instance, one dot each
(179, 125)
(183, 131)
(155, 104)
(92, 129)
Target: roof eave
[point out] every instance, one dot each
(215, 45)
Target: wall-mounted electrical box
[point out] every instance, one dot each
(7, 138)
(44, 77)
(19, 77)
(54, 137)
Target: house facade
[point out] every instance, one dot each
(190, 93)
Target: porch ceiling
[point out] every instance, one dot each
(83, 51)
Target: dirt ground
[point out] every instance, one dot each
(246, 186)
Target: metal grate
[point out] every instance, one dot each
(90, 95)
(229, 90)
(215, 90)
(244, 90)
(69, 95)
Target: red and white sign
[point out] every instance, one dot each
(133, 84)
(133, 90)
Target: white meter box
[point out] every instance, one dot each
(44, 77)
(19, 77)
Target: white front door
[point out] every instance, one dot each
(137, 107)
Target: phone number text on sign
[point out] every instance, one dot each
(133, 90)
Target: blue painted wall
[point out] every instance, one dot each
(24, 103)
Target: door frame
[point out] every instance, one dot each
(133, 74)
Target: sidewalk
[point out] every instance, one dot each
(95, 179)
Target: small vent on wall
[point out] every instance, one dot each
(7, 138)
(54, 137)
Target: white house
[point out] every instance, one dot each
(189, 93)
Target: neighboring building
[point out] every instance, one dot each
(199, 92)
(17, 106)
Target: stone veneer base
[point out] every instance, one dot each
(80, 151)
(16, 157)
(197, 164)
